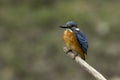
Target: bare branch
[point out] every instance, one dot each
(85, 65)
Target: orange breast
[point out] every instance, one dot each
(71, 42)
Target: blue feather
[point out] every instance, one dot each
(82, 40)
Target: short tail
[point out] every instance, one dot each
(82, 55)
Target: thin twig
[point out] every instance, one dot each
(85, 65)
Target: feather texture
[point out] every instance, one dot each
(82, 40)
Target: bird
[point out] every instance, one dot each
(75, 39)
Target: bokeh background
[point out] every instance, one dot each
(31, 46)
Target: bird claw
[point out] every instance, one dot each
(70, 50)
(75, 56)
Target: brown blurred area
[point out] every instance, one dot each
(31, 46)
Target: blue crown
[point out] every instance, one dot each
(71, 23)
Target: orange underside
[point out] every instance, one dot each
(71, 42)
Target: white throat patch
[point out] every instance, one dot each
(70, 30)
(77, 29)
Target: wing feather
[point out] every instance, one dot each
(82, 40)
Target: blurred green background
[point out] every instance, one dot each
(31, 46)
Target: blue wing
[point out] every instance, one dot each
(82, 40)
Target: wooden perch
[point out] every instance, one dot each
(85, 65)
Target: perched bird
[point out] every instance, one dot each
(75, 39)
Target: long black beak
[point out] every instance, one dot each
(63, 26)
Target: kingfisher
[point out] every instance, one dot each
(74, 39)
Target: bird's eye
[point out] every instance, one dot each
(70, 26)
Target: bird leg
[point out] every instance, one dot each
(70, 50)
(75, 56)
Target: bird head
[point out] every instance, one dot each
(69, 25)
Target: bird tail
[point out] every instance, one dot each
(82, 55)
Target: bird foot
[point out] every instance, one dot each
(75, 56)
(70, 50)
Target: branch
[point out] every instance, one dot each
(85, 65)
